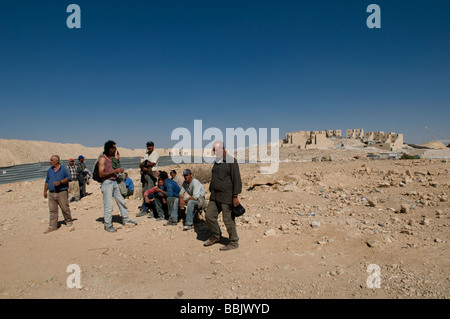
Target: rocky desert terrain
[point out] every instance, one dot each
(352, 227)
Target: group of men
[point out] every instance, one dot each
(171, 196)
(164, 197)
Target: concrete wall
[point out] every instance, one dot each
(386, 141)
(309, 139)
(319, 141)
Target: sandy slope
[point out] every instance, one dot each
(15, 152)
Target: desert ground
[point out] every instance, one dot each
(352, 227)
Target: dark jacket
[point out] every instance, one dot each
(225, 181)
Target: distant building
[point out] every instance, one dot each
(310, 139)
(385, 141)
(324, 139)
(355, 133)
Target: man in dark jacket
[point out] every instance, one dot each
(225, 187)
(81, 166)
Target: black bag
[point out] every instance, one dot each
(95, 174)
(238, 210)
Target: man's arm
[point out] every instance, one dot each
(67, 178)
(152, 159)
(237, 183)
(181, 200)
(148, 167)
(63, 181)
(45, 190)
(164, 193)
(196, 189)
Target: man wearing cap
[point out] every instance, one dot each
(81, 173)
(74, 188)
(194, 189)
(225, 187)
(57, 183)
(149, 167)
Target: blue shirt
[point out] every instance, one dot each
(129, 183)
(171, 188)
(59, 175)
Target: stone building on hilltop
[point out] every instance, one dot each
(327, 139)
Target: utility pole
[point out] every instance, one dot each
(432, 137)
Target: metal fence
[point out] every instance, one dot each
(35, 171)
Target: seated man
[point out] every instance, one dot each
(129, 184)
(175, 177)
(148, 205)
(170, 190)
(196, 199)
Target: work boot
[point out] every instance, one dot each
(129, 221)
(211, 241)
(170, 223)
(49, 230)
(110, 229)
(141, 213)
(229, 247)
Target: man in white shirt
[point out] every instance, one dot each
(196, 198)
(151, 159)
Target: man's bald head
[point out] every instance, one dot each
(219, 149)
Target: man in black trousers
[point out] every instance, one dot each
(225, 187)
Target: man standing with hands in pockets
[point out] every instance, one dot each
(225, 187)
(110, 188)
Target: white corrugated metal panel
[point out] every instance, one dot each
(30, 172)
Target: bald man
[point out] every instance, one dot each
(225, 187)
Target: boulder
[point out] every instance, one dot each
(262, 180)
(270, 233)
(315, 224)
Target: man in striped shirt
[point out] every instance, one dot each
(74, 188)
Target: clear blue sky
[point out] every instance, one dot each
(136, 70)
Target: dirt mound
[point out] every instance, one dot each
(15, 152)
(436, 145)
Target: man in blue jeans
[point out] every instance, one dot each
(196, 192)
(110, 188)
(170, 190)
